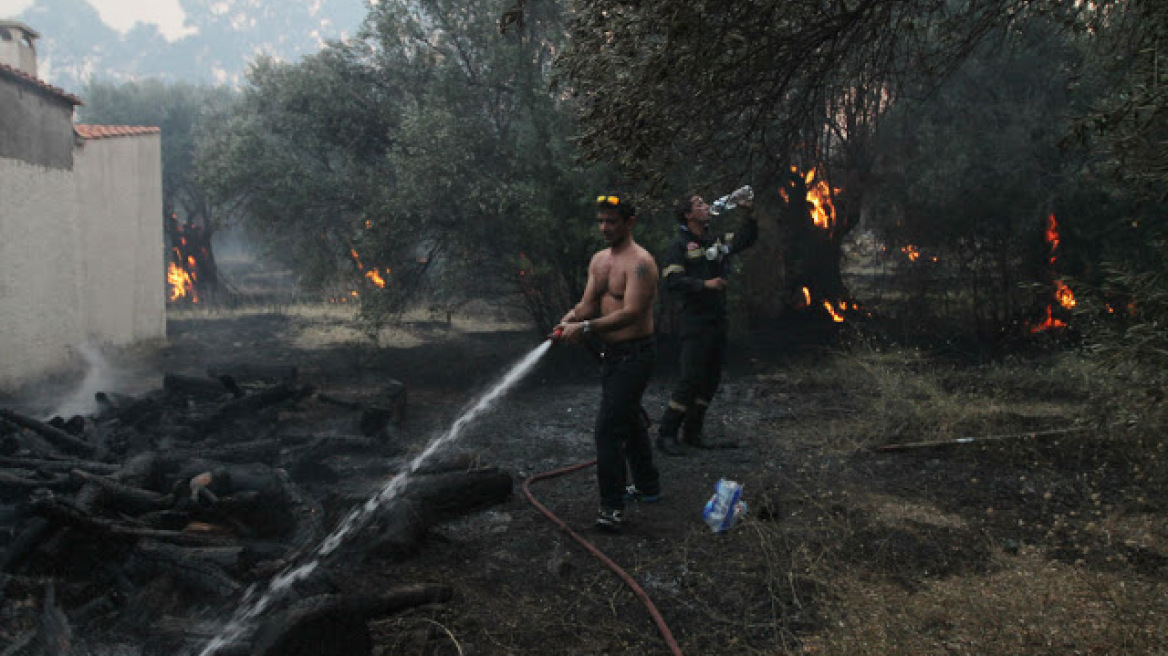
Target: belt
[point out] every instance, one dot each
(628, 348)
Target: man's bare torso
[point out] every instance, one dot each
(614, 272)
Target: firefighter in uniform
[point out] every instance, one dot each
(695, 272)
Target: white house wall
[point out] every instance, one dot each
(119, 216)
(41, 316)
(81, 256)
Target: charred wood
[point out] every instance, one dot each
(323, 447)
(142, 470)
(19, 644)
(307, 513)
(253, 372)
(390, 406)
(60, 466)
(62, 513)
(229, 383)
(35, 530)
(93, 610)
(254, 499)
(156, 558)
(203, 388)
(266, 450)
(251, 403)
(428, 501)
(53, 634)
(330, 625)
(123, 497)
(63, 441)
(112, 403)
(26, 442)
(147, 408)
(16, 486)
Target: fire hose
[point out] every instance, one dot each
(637, 590)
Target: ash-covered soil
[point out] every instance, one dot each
(523, 586)
(844, 550)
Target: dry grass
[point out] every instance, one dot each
(1030, 604)
(1000, 546)
(321, 325)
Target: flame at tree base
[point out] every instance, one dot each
(1049, 323)
(182, 284)
(1062, 292)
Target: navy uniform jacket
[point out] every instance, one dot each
(692, 260)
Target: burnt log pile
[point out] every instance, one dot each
(147, 522)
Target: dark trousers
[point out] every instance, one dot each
(622, 431)
(703, 354)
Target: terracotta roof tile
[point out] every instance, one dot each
(21, 76)
(106, 131)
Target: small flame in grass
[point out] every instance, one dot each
(835, 309)
(911, 252)
(374, 277)
(836, 316)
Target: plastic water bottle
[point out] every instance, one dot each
(724, 509)
(721, 205)
(731, 200)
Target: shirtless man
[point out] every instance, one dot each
(617, 307)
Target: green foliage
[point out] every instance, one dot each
(660, 80)
(430, 148)
(970, 171)
(1126, 129)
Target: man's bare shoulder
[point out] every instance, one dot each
(643, 257)
(599, 257)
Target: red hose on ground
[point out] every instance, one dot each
(657, 619)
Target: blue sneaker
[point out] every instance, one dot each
(633, 494)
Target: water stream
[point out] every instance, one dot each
(254, 604)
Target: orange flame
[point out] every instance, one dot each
(1064, 295)
(375, 277)
(911, 252)
(835, 316)
(1052, 236)
(836, 309)
(819, 195)
(1062, 292)
(182, 283)
(1048, 323)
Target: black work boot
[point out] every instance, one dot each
(667, 435)
(691, 432)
